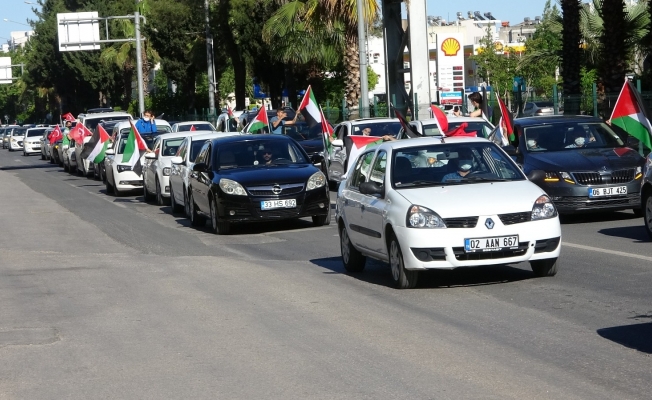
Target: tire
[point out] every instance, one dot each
(320, 220)
(638, 212)
(217, 226)
(542, 268)
(176, 207)
(647, 212)
(147, 198)
(186, 205)
(403, 278)
(352, 259)
(109, 187)
(24, 154)
(160, 200)
(116, 191)
(66, 168)
(42, 156)
(195, 218)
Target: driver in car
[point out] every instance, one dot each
(268, 156)
(464, 167)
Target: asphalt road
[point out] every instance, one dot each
(105, 297)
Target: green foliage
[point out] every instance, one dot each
(587, 80)
(372, 78)
(497, 69)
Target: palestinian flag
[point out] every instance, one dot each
(229, 112)
(309, 109)
(629, 114)
(506, 123)
(406, 127)
(327, 130)
(356, 144)
(442, 119)
(55, 135)
(259, 122)
(134, 150)
(94, 150)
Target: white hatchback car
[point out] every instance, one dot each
(120, 177)
(430, 127)
(473, 207)
(182, 167)
(187, 125)
(32, 140)
(158, 164)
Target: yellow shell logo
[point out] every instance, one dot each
(450, 47)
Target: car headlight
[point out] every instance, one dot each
(317, 180)
(123, 168)
(543, 208)
(567, 177)
(166, 171)
(422, 217)
(640, 171)
(551, 177)
(232, 187)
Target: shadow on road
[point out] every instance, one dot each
(378, 273)
(19, 167)
(635, 337)
(636, 233)
(588, 218)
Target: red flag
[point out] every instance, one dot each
(73, 133)
(406, 127)
(442, 120)
(460, 131)
(229, 112)
(326, 128)
(192, 128)
(68, 117)
(55, 135)
(507, 120)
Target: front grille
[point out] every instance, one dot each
(515, 218)
(595, 178)
(461, 255)
(433, 254)
(281, 213)
(577, 201)
(461, 222)
(293, 188)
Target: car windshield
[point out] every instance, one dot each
(199, 127)
(452, 164)
(541, 104)
(18, 132)
(558, 136)
(91, 123)
(377, 128)
(431, 130)
(35, 132)
(481, 128)
(163, 128)
(258, 153)
(170, 147)
(301, 131)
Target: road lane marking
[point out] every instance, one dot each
(613, 252)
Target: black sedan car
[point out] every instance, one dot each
(587, 165)
(252, 178)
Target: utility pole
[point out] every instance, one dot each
(139, 65)
(362, 50)
(209, 58)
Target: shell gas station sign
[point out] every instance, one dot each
(450, 68)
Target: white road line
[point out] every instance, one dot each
(614, 252)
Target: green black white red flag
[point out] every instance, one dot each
(135, 148)
(629, 114)
(310, 109)
(94, 150)
(259, 122)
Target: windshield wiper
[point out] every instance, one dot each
(484, 179)
(424, 182)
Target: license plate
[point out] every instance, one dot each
(496, 243)
(272, 204)
(608, 191)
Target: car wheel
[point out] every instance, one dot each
(542, 268)
(109, 187)
(647, 212)
(186, 206)
(146, 196)
(160, 200)
(353, 260)
(176, 207)
(219, 227)
(320, 220)
(24, 154)
(65, 167)
(638, 212)
(403, 278)
(195, 218)
(116, 191)
(71, 169)
(42, 156)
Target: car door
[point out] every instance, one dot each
(373, 209)
(338, 153)
(199, 180)
(176, 184)
(353, 199)
(149, 166)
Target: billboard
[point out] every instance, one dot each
(450, 68)
(5, 70)
(78, 31)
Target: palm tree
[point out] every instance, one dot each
(613, 55)
(330, 18)
(571, 56)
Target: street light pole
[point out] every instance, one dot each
(139, 65)
(362, 50)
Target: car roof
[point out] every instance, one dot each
(207, 135)
(125, 124)
(173, 135)
(191, 122)
(104, 114)
(454, 120)
(362, 121)
(426, 141)
(247, 137)
(551, 119)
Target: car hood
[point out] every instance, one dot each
(475, 199)
(265, 176)
(584, 159)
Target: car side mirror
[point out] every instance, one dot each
(338, 143)
(510, 150)
(150, 156)
(176, 160)
(199, 167)
(109, 152)
(372, 188)
(316, 158)
(536, 175)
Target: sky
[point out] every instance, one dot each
(505, 10)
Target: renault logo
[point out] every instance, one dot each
(489, 223)
(276, 189)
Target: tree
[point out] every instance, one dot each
(613, 54)
(571, 56)
(497, 68)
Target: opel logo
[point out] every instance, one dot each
(489, 223)
(276, 189)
